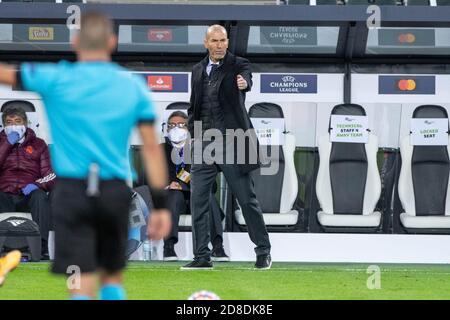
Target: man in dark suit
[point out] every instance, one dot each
(177, 148)
(219, 83)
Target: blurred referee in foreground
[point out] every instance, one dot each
(92, 106)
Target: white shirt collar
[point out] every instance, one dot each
(211, 62)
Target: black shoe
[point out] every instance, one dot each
(45, 257)
(169, 254)
(198, 264)
(263, 262)
(218, 254)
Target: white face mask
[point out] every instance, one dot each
(178, 137)
(20, 129)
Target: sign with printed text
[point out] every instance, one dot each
(41, 33)
(288, 83)
(160, 83)
(167, 82)
(31, 33)
(429, 132)
(289, 36)
(352, 129)
(269, 130)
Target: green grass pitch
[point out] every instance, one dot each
(292, 281)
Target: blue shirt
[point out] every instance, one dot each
(92, 108)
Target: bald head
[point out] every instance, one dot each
(215, 28)
(216, 41)
(96, 33)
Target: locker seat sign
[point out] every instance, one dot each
(352, 129)
(269, 131)
(429, 132)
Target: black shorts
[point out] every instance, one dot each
(90, 232)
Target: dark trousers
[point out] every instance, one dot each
(36, 202)
(179, 202)
(203, 176)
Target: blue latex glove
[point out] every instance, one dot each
(13, 137)
(29, 188)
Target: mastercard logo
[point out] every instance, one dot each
(406, 38)
(407, 85)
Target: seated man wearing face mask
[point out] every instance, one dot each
(177, 149)
(26, 174)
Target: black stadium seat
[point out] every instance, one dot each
(25, 105)
(278, 201)
(353, 165)
(423, 185)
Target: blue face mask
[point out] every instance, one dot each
(20, 129)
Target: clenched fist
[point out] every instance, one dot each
(241, 82)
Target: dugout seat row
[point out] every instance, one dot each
(277, 202)
(348, 184)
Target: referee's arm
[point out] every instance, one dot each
(155, 160)
(8, 75)
(160, 222)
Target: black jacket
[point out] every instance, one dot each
(232, 100)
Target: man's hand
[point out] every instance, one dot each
(29, 188)
(13, 137)
(159, 224)
(175, 186)
(241, 82)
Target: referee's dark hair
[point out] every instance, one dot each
(14, 111)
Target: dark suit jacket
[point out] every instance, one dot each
(232, 100)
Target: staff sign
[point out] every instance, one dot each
(351, 129)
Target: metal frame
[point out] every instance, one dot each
(238, 19)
